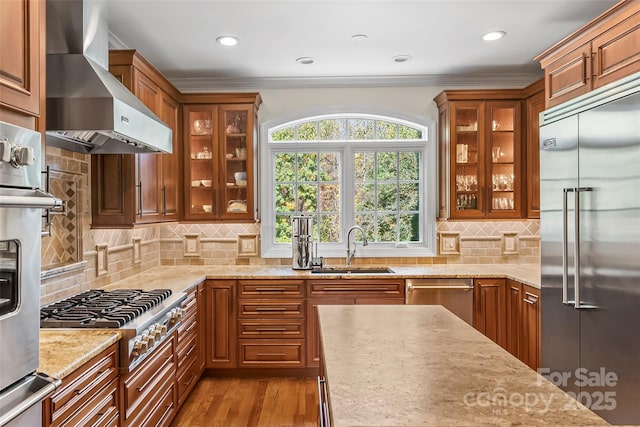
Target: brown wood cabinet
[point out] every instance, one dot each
(22, 58)
(89, 396)
(271, 317)
(529, 350)
(131, 189)
(481, 169)
(508, 312)
(603, 51)
(534, 105)
(345, 292)
(189, 366)
(148, 392)
(220, 324)
(513, 316)
(219, 145)
(490, 309)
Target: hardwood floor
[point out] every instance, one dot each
(231, 402)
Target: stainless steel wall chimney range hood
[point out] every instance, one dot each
(88, 109)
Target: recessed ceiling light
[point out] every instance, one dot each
(494, 35)
(305, 60)
(359, 37)
(401, 58)
(227, 40)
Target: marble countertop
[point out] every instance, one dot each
(421, 365)
(62, 351)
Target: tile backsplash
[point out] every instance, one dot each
(78, 258)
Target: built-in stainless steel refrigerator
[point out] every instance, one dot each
(590, 249)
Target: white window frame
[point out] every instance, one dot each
(428, 177)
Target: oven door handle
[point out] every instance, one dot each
(47, 386)
(39, 199)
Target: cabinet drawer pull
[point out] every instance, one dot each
(271, 354)
(82, 390)
(193, 347)
(530, 299)
(187, 383)
(271, 329)
(271, 289)
(271, 309)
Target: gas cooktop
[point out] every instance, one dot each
(101, 309)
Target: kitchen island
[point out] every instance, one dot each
(423, 366)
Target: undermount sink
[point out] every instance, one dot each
(354, 270)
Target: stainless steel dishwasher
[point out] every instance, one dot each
(456, 295)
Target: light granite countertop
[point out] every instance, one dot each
(62, 351)
(423, 366)
(180, 278)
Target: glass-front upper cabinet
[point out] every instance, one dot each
(502, 137)
(201, 125)
(468, 120)
(235, 169)
(219, 173)
(482, 175)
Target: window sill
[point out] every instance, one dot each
(285, 251)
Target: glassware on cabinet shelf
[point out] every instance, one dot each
(202, 127)
(466, 182)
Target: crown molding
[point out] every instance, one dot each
(486, 81)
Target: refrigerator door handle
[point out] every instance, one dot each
(576, 277)
(565, 247)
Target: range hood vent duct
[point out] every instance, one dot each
(88, 109)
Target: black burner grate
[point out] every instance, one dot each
(101, 309)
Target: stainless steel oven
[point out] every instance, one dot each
(21, 204)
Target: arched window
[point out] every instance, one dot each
(350, 169)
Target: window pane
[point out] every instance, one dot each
(409, 133)
(386, 228)
(333, 129)
(364, 197)
(330, 228)
(410, 228)
(329, 198)
(409, 197)
(285, 134)
(386, 130)
(360, 129)
(410, 165)
(285, 167)
(329, 167)
(283, 229)
(307, 167)
(387, 197)
(307, 131)
(285, 198)
(308, 198)
(387, 166)
(367, 222)
(364, 165)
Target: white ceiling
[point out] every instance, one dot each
(443, 38)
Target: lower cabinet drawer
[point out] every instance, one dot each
(187, 379)
(187, 350)
(75, 395)
(101, 410)
(272, 353)
(272, 328)
(291, 308)
(148, 379)
(159, 410)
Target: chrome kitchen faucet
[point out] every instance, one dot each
(350, 253)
